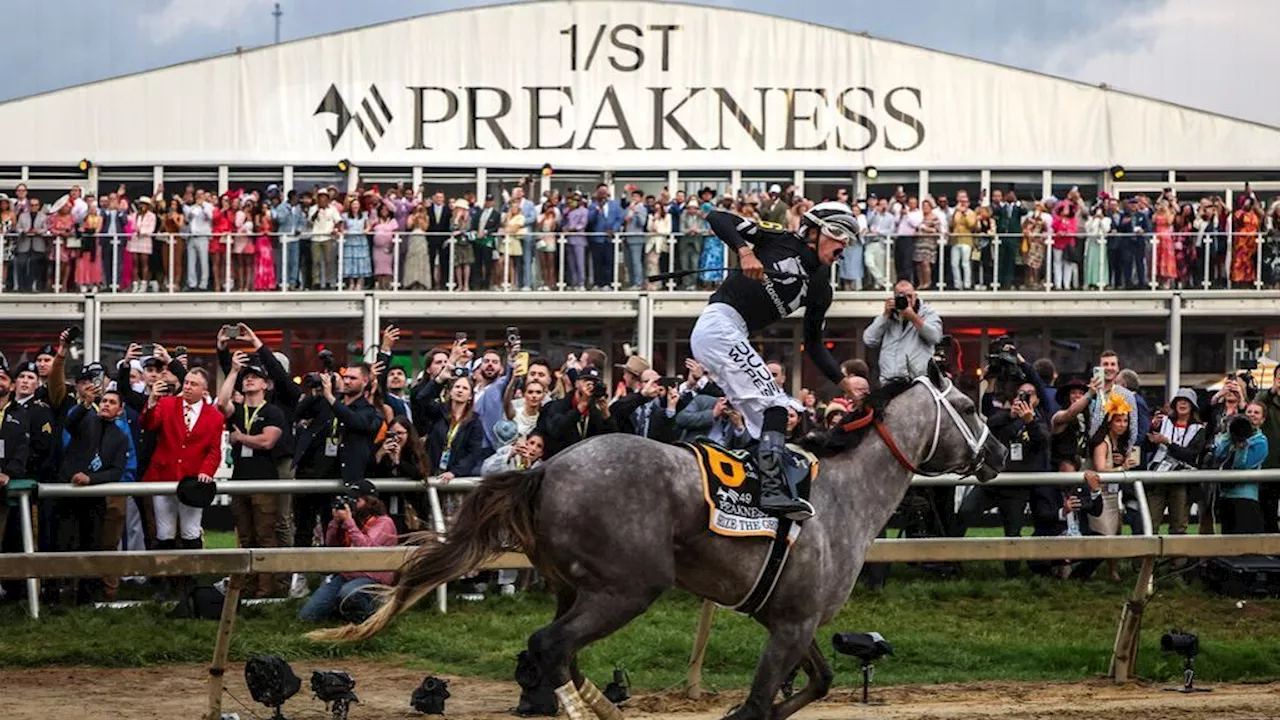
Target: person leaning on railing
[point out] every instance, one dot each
(360, 521)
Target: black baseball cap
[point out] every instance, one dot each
(152, 360)
(590, 372)
(357, 489)
(254, 369)
(90, 371)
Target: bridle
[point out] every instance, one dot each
(975, 443)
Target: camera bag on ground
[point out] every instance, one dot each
(199, 602)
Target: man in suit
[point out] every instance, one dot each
(188, 432)
(486, 225)
(438, 216)
(604, 218)
(1008, 215)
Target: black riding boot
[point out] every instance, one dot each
(777, 497)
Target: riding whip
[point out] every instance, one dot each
(681, 273)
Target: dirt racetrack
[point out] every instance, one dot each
(178, 691)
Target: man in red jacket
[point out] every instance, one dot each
(188, 432)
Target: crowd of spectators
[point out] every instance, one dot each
(158, 415)
(395, 238)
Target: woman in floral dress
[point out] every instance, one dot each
(1244, 244)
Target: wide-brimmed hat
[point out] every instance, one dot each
(193, 493)
(1186, 394)
(635, 365)
(145, 200)
(1066, 386)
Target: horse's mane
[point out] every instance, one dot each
(837, 440)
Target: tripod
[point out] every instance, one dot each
(868, 672)
(1188, 678)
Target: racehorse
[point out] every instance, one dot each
(608, 565)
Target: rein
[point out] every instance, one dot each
(893, 448)
(941, 406)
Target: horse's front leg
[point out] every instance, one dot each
(818, 670)
(788, 642)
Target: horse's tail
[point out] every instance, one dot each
(499, 512)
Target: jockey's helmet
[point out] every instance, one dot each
(833, 218)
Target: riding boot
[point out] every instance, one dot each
(777, 497)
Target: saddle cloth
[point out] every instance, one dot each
(731, 487)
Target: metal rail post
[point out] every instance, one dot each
(29, 546)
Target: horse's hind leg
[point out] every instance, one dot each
(818, 670)
(593, 615)
(785, 650)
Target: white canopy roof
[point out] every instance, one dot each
(621, 85)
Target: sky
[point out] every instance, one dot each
(1214, 56)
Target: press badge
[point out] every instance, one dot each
(2, 455)
(331, 447)
(246, 451)
(1015, 452)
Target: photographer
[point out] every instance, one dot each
(905, 334)
(650, 411)
(256, 427)
(348, 444)
(96, 452)
(359, 520)
(282, 393)
(1059, 511)
(1242, 447)
(579, 416)
(1179, 443)
(714, 418)
(403, 456)
(1020, 425)
(1269, 493)
(455, 440)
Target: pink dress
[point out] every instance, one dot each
(264, 273)
(384, 245)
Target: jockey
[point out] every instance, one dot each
(781, 272)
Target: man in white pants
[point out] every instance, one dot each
(188, 432)
(782, 271)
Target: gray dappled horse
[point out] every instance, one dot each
(616, 520)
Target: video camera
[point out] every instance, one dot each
(1002, 361)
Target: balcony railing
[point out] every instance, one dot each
(510, 262)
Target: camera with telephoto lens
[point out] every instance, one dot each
(340, 502)
(74, 334)
(598, 390)
(1002, 361)
(900, 302)
(327, 361)
(1240, 429)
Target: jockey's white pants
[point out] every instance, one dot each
(719, 341)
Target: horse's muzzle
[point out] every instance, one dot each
(991, 460)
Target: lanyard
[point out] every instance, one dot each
(249, 420)
(453, 430)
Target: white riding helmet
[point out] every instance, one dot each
(833, 218)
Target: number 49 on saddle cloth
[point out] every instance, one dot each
(731, 487)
